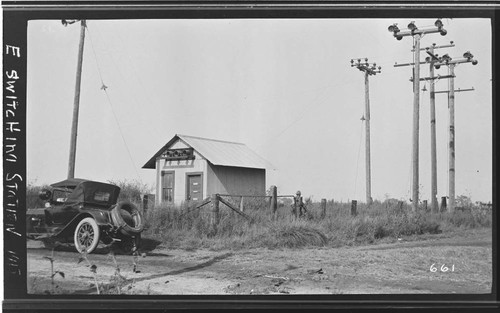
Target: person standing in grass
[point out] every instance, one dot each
(298, 203)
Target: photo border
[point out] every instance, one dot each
(16, 15)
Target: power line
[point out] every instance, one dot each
(104, 88)
(307, 109)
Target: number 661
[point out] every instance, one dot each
(443, 268)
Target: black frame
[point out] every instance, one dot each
(15, 18)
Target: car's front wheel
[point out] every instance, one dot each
(86, 235)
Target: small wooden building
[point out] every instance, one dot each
(193, 168)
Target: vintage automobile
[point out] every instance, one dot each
(85, 212)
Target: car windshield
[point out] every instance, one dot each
(60, 195)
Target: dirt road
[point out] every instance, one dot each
(447, 263)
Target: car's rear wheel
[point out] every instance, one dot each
(86, 236)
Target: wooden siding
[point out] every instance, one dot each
(235, 180)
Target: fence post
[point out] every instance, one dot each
(145, 202)
(241, 203)
(274, 201)
(294, 209)
(354, 204)
(443, 204)
(214, 219)
(323, 208)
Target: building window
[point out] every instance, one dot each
(167, 187)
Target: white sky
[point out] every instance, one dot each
(284, 87)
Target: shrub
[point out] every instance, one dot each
(131, 190)
(32, 198)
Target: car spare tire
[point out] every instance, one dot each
(128, 218)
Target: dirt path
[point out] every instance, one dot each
(400, 267)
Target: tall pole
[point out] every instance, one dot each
(434, 202)
(451, 152)
(368, 70)
(416, 118)
(367, 142)
(431, 60)
(437, 63)
(417, 35)
(76, 105)
(447, 60)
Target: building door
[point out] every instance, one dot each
(194, 187)
(167, 186)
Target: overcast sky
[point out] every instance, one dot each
(283, 87)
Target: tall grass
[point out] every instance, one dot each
(188, 228)
(177, 227)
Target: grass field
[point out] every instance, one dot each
(182, 228)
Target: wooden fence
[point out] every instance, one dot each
(216, 199)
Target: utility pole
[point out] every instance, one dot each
(76, 104)
(368, 70)
(451, 136)
(447, 60)
(431, 61)
(417, 35)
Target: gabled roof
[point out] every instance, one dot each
(217, 152)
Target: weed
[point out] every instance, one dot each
(135, 260)
(117, 280)
(53, 273)
(93, 268)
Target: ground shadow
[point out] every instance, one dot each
(67, 247)
(175, 272)
(148, 245)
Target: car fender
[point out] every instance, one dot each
(101, 217)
